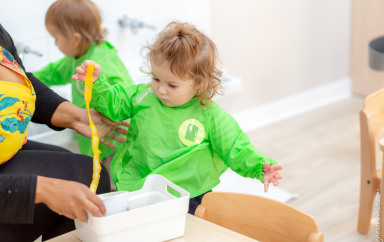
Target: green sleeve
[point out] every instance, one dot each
(55, 73)
(113, 101)
(234, 147)
(116, 72)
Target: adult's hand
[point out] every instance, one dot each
(67, 115)
(68, 198)
(104, 126)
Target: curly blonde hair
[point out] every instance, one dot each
(77, 16)
(190, 54)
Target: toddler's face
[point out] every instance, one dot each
(170, 89)
(66, 45)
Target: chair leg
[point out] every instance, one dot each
(367, 196)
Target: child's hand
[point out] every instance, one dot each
(82, 71)
(271, 174)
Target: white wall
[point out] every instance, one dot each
(28, 26)
(154, 13)
(281, 48)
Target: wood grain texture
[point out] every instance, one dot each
(259, 217)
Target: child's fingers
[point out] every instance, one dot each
(81, 71)
(266, 185)
(75, 77)
(267, 166)
(78, 77)
(86, 63)
(271, 179)
(277, 167)
(278, 176)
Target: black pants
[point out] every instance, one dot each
(50, 161)
(195, 202)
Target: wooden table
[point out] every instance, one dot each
(196, 229)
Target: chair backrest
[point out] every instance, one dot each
(371, 131)
(258, 217)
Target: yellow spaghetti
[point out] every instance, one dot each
(95, 138)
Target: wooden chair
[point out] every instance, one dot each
(257, 217)
(371, 131)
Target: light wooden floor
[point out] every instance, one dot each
(320, 153)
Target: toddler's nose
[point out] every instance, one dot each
(162, 90)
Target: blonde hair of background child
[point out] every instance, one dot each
(190, 54)
(77, 16)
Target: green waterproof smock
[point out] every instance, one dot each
(61, 72)
(190, 145)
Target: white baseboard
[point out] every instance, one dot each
(293, 105)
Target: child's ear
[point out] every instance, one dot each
(78, 39)
(198, 85)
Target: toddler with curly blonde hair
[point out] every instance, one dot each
(176, 130)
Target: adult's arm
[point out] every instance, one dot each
(17, 191)
(47, 100)
(69, 115)
(23, 191)
(20, 192)
(68, 198)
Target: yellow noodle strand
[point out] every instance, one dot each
(95, 138)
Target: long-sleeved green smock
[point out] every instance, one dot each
(190, 145)
(61, 71)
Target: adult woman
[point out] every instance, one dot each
(38, 182)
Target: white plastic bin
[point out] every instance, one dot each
(157, 212)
